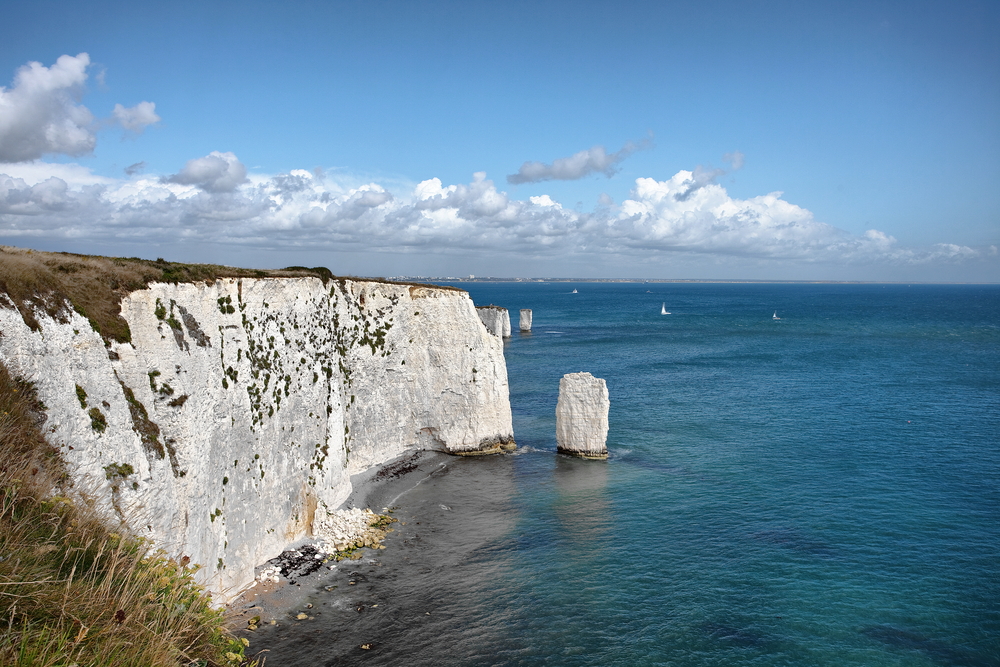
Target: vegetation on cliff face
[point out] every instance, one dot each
(74, 591)
(75, 588)
(94, 285)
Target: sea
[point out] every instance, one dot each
(798, 474)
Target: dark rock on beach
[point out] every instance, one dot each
(296, 563)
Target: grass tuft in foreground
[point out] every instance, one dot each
(73, 591)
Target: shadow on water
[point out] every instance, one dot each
(581, 506)
(578, 516)
(940, 652)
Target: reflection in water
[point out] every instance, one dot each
(581, 506)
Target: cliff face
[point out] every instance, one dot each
(496, 319)
(240, 405)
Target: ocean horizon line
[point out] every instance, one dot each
(734, 281)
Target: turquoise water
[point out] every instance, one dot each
(823, 489)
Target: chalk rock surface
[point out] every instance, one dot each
(496, 319)
(582, 416)
(241, 405)
(525, 323)
(342, 529)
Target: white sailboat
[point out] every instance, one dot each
(775, 316)
(574, 291)
(663, 309)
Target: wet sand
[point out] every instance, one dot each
(376, 489)
(453, 520)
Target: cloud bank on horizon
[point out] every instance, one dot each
(212, 199)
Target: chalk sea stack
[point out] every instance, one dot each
(525, 323)
(582, 416)
(496, 319)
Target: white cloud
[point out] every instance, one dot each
(40, 114)
(212, 200)
(46, 206)
(544, 200)
(697, 179)
(216, 172)
(584, 163)
(137, 118)
(36, 171)
(685, 213)
(702, 176)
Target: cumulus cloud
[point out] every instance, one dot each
(584, 163)
(41, 112)
(698, 179)
(76, 176)
(702, 176)
(212, 200)
(47, 206)
(216, 172)
(137, 118)
(687, 213)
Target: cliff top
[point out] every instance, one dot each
(94, 285)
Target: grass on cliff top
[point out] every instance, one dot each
(94, 285)
(73, 591)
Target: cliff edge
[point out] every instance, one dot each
(239, 404)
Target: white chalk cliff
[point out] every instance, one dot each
(582, 416)
(241, 405)
(496, 319)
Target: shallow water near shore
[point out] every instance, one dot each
(823, 489)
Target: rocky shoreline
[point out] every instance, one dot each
(338, 535)
(453, 529)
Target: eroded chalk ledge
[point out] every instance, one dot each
(590, 456)
(495, 445)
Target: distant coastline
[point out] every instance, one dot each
(734, 281)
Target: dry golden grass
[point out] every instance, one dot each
(94, 285)
(72, 592)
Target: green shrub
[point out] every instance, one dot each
(97, 420)
(81, 395)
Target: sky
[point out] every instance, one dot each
(708, 140)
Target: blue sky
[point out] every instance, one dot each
(646, 140)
